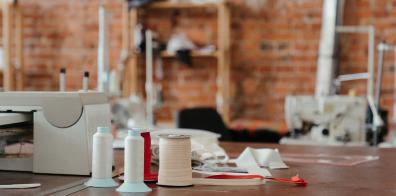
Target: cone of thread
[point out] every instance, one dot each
(175, 161)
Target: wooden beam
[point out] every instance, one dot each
(223, 78)
(170, 5)
(130, 79)
(133, 63)
(125, 48)
(8, 74)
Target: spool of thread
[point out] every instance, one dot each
(102, 159)
(85, 81)
(175, 160)
(62, 79)
(133, 164)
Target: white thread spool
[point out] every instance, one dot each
(85, 81)
(134, 157)
(62, 80)
(102, 159)
(134, 164)
(175, 160)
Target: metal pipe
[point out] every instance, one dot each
(376, 129)
(379, 75)
(370, 51)
(103, 53)
(382, 48)
(371, 46)
(149, 79)
(353, 29)
(349, 77)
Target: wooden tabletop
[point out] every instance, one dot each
(372, 178)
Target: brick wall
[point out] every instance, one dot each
(381, 14)
(274, 52)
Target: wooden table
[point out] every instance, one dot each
(371, 178)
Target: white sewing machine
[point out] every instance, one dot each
(60, 124)
(333, 120)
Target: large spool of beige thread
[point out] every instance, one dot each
(175, 160)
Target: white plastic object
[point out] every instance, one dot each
(102, 159)
(134, 164)
(20, 186)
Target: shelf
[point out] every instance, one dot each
(170, 5)
(222, 55)
(194, 55)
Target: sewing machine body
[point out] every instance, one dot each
(62, 127)
(334, 119)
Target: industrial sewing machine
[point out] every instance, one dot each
(60, 126)
(332, 120)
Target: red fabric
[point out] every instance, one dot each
(236, 177)
(148, 176)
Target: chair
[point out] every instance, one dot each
(209, 119)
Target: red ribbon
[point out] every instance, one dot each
(293, 180)
(148, 176)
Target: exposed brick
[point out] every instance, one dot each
(273, 54)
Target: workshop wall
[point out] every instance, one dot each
(274, 51)
(65, 34)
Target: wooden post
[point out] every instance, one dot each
(8, 74)
(19, 48)
(125, 48)
(223, 77)
(130, 79)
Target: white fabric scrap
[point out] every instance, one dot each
(269, 158)
(247, 161)
(253, 159)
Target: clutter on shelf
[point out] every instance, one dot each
(185, 51)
